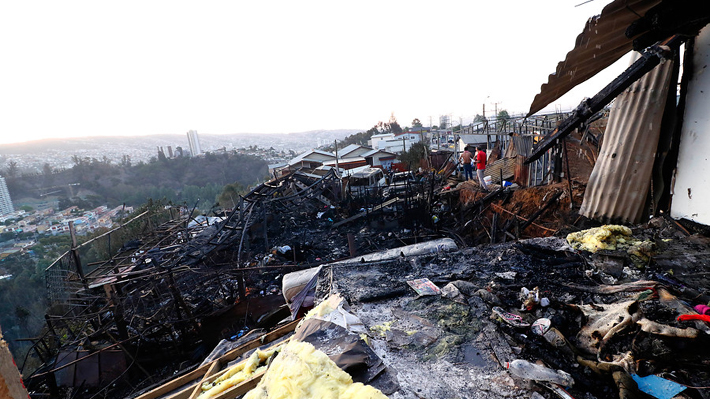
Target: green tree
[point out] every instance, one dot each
(479, 118)
(229, 197)
(503, 119)
(414, 155)
(12, 169)
(416, 123)
(48, 174)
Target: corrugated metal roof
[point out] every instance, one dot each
(602, 42)
(373, 152)
(619, 184)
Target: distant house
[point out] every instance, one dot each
(101, 209)
(68, 211)
(353, 151)
(377, 138)
(419, 129)
(347, 163)
(276, 167)
(58, 229)
(24, 244)
(399, 142)
(309, 160)
(471, 140)
(380, 158)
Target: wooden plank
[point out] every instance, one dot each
(224, 359)
(318, 197)
(214, 366)
(361, 214)
(240, 389)
(236, 389)
(264, 339)
(176, 383)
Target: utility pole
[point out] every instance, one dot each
(337, 167)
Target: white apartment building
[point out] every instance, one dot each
(194, 141)
(5, 201)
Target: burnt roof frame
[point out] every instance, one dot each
(650, 58)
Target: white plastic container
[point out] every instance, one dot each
(488, 180)
(532, 371)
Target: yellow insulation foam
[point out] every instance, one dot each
(237, 374)
(301, 372)
(599, 238)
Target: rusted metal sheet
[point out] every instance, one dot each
(522, 145)
(601, 43)
(619, 183)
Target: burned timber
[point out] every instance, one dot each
(433, 287)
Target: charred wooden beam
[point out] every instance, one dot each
(569, 178)
(494, 227)
(539, 212)
(588, 107)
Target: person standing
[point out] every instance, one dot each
(466, 158)
(481, 166)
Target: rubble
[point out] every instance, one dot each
(273, 258)
(426, 290)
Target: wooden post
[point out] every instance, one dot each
(75, 255)
(241, 211)
(266, 237)
(569, 178)
(351, 245)
(179, 302)
(11, 385)
(117, 309)
(494, 227)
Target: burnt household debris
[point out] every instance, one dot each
(581, 272)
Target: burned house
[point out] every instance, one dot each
(399, 292)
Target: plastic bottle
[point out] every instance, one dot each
(532, 371)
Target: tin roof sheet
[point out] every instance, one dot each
(619, 184)
(602, 42)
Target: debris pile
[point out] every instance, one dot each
(392, 292)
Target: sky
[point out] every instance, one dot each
(92, 68)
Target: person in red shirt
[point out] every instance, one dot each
(481, 166)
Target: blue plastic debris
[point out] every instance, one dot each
(658, 387)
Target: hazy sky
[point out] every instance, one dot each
(81, 68)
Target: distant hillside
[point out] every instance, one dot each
(179, 180)
(284, 141)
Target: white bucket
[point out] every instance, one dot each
(488, 180)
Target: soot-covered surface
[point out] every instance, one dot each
(450, 347)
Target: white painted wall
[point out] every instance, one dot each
(691, 191)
